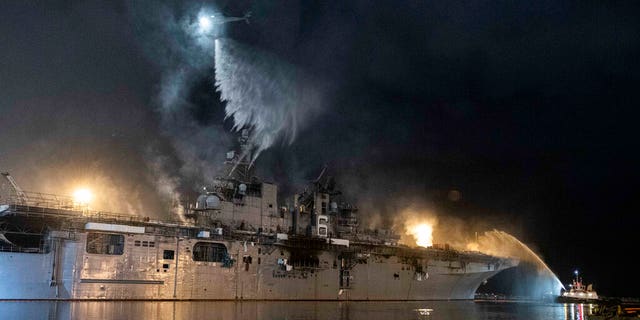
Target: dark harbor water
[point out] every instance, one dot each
(451, 310)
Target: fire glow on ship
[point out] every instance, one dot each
(423, 233)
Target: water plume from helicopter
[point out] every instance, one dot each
(273, 98)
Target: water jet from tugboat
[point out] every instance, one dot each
(500, 243)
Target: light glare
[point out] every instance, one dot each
(82, 196)
(205, 23)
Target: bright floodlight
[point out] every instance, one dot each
(205, 23)
(82, 196)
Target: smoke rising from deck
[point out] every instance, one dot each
(166, 185)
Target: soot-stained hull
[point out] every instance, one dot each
(153, 266)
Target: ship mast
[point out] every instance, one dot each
(577, 283)
(239, 164)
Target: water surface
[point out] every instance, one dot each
(307, 310)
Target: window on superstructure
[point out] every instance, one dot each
(147, 244)
(209, 252)
(168, 254)
(254, 190)
(105, 243)
(299, 259)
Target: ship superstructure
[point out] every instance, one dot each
(237, 243)
(578, 292)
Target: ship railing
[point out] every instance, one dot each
(132, 218)
(37, 203)
(21, 249)
(10, 247)
(44, 200)
(121, 217)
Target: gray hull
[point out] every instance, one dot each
(67, 271)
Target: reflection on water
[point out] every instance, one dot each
(263, 310)
(578, 311)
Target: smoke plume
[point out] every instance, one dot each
(185, 100)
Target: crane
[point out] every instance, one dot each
(22, 197)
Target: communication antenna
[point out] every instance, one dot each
(324, 168)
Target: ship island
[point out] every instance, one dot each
(234, 243)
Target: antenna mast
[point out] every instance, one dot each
(241, 163)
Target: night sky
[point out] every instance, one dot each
(527, 109)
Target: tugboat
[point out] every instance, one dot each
(578, 292)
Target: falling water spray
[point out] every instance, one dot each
(271, 97)
(500, 243)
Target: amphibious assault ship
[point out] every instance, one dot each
(235, 243)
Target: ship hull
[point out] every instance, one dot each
(68, 272)
(562, 299)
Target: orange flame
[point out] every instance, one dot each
(422, 232)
